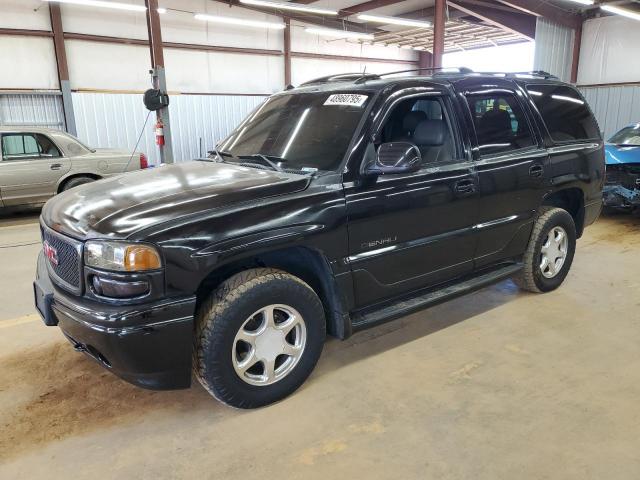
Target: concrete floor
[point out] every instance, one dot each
(497, 385)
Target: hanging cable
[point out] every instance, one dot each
(139, 137)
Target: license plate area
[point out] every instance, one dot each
(43, 302)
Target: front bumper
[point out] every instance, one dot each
(149, 345)
(618, 196)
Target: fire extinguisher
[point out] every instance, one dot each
(159, 133)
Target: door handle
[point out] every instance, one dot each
(536, 171)
(55, 166)
(465, 186)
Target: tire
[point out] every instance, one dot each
(76, 181)
(533, 278)
(223, 319)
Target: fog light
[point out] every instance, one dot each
(105, 287)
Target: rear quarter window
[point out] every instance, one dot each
(564, 112)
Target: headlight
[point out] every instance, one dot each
(124, 257)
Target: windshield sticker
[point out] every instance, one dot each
(350, 99)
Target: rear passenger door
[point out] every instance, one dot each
(512, 169)
(30, 167)
(574, 140)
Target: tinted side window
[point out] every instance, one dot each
(501, 125)
(425, 122)
(47, 147)
(564, 112)
(18, 145)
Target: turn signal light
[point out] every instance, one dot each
(141, 257)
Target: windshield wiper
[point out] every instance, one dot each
(266, 161)
(218, 153)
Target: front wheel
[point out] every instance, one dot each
(549, 254)
(258, 337)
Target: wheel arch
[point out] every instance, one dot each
(308, 264)
(63, 181)
(572, 200)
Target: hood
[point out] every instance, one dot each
(119, 206)
(617, 154)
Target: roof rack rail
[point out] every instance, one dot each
(463, 70)
(363, 77)
(534, 73)
(340, 77)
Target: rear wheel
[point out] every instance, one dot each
(550, 252)
(258, 337)
(76, 181)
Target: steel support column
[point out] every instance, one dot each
(577, 40)
(63, 69)
(287, 52)
(158, 75)
(438, 33)
(425, 59)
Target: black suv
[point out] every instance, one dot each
(348, 201)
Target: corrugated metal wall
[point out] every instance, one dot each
(554, 49)
(42, 110)
(614, 106)
(197, 121)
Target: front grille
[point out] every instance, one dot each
(67, 273)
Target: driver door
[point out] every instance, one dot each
(414, 230)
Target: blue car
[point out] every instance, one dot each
(622, 154)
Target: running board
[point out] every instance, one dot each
(400, 308)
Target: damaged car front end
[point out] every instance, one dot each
(622, 186)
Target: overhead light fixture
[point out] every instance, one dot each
(238, 21)
(621, 11)
(395, 21)
(290, 6)
(329, 32)
(583, 2)
(101, 4)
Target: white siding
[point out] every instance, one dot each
(614, 107)
(41, 110)
(554, 49)
(197, 121)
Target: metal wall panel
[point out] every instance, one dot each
(554, 49)
(614, 106)
(115, 120)
(42, 110)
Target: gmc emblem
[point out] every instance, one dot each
(50, 252)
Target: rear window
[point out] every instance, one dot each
(565, 113)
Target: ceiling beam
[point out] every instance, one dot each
(546, 10)
(365, 7)
(309, 18)
(519, 24)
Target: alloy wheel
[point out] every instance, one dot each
(269, 345)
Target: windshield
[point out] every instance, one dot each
(627, 136)
(299, 131)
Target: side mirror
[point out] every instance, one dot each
(395, 157)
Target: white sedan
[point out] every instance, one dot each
(37, 163)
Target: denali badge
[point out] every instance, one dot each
(379, 243)
(50, 252)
